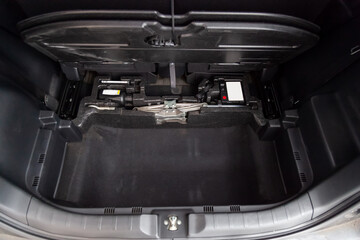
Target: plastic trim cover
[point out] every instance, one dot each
(250, 39)
(22, 209)
(289, 215)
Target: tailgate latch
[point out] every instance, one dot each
(172, 223)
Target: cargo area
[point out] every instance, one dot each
(150, 117)
(220, 155)
(137, 111)
(179, 119)
(154, 167)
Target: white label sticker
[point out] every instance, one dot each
(111, 92)
(234, 91)
(115, 82)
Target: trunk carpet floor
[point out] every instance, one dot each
(114, 167)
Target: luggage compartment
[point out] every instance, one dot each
(224, 155)
(159, 167)
(168, 111)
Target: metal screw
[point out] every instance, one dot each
(166, 222)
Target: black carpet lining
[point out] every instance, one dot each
(121, 167)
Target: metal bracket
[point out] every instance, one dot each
(172, 223)
(170, 114)
(171, 111)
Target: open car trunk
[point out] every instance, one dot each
(154, 116)
(195, 113)
(222, 156)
